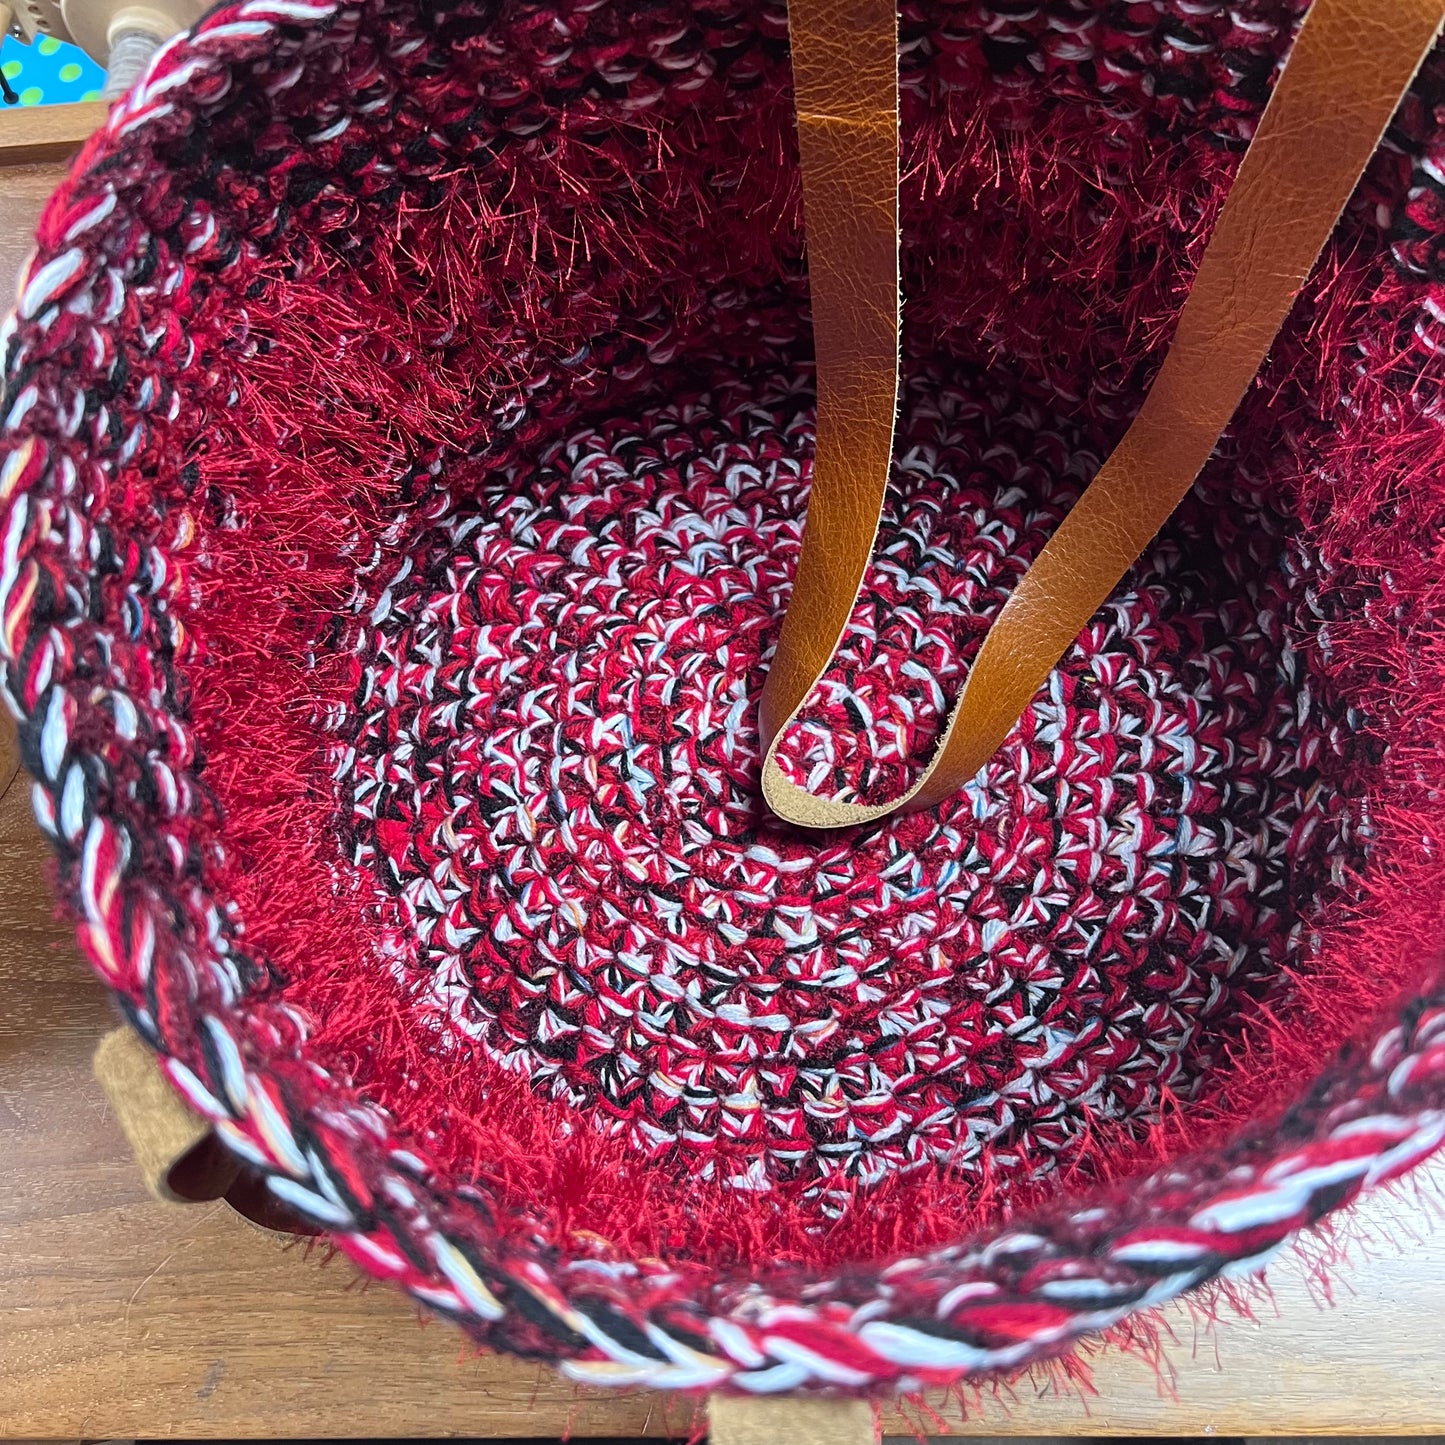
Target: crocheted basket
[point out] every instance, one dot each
(406, 444)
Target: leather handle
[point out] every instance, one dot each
(845, 91)
(1348, 70)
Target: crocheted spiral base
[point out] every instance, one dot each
(403, 451)
(551, 768)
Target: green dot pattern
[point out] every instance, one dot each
(49, 72)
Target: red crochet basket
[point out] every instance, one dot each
(406, 442)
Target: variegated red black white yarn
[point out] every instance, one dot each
(552, 764)
(405, 439)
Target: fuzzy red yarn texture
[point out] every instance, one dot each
(406, 438)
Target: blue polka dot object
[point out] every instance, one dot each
(48, 72)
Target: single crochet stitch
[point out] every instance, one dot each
(404, 452)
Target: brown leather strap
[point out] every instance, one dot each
(1348, 70)
(845, 90)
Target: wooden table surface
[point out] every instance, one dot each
(122, 1317)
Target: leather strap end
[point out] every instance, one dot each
(179, 1158)
(790, 1420)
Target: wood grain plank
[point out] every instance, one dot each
(34, 133)
(23, 191)
(122, 1317)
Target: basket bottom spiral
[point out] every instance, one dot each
(571, 902)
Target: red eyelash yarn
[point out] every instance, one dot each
(406, 439)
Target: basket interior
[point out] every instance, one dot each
(487, 491)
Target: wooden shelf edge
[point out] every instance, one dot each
(32, 133)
